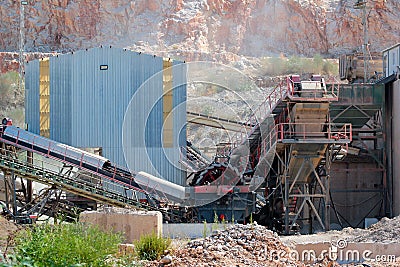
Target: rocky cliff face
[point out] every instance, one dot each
(201, 29)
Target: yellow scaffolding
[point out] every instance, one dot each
(167, 104)
(44, 97)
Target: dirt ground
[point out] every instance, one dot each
(7, 232)
(254, 245)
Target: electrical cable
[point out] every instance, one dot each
(358, 204)
(334, 209)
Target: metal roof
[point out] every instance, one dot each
(390, 48)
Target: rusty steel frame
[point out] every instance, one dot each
(304, 191)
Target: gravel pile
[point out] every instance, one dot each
(385, 231)
(238, 245)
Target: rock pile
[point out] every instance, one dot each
(238, 245)
(385, 231)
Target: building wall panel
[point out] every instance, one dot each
(90, 93)
(60, 99)
(32, 100)
(396, 148)
(391, 60)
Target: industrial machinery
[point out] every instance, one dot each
(351, 67)
(274, 170)
(69, 169)
(290, 148)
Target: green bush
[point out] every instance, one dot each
(8, 84)
(151, 247)
(66, 245)
(318, 62)
(14, 261)
(299, 65)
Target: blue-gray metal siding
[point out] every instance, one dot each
(143, 130)
(87, 107)
(60, 99)
(32, 96)
(179, 84)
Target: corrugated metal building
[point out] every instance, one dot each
(81, 98)
(391, 60)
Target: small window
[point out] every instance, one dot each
(103, 67)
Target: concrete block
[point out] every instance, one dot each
(191, 230)
(133, 224)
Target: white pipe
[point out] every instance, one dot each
(172, 191)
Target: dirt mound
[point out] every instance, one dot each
(7, 232)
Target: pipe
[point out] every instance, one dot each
(162, 187)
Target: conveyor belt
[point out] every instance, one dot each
(103, 183)
(256, 145)
(217, 122)
(108, 192)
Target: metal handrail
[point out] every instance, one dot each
(53, 173)
(314, 130)
(262, 112)
(330, 93)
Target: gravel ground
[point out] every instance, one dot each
(254, 245)
(385, 231)
(237, 245)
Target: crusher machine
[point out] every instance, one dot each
(291, 144)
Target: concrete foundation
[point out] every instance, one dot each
(191, 230)
(133, 224)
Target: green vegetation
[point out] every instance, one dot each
(8, 87)
(207, 110)
(205, 232)
(274, 66)
(17, 115)
(214, 226)
(151, 247)
(11, 98)
(63, 245)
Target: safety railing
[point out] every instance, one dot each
(268, 141)
(261, 113)
(312, 90)
(308, 131)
